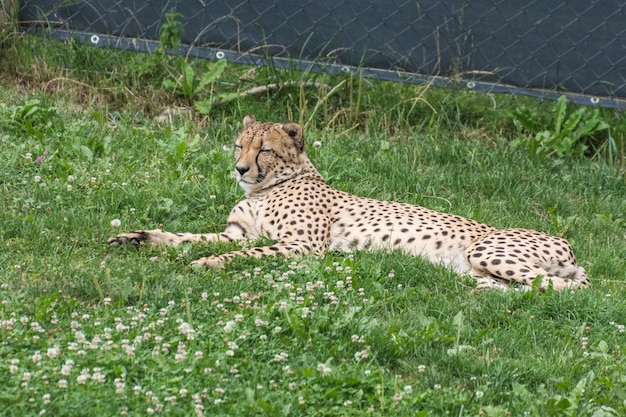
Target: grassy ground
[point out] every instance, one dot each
(92, 330)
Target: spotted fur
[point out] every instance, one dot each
(288, 201)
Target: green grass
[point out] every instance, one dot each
(91, 330)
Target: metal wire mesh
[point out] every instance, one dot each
(533, 47)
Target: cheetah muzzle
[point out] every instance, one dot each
(288, 201)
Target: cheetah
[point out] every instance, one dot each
(287, 200)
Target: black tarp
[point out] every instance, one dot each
(574, 45)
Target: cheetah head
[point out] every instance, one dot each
(267, 154)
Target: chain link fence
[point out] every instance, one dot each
(540, 48)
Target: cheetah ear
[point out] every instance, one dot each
(248, 120)
(294, 130)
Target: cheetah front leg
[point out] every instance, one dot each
(287, 249)
(158, 237)
(240, 226)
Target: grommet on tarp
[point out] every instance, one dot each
(220, 55)
(95, 39)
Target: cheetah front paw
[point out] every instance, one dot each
(136, 239)
(209, 262)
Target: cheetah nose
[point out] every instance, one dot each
(242, 170)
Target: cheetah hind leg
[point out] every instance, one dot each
(486, 282)
(487, 279)
(512, 259)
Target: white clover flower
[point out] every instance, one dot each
(323, 368)
(116, 222)
(230, 325)
(187, 330)
(98, 376)
(65, 370)
(37, 178)
(480, 394)
(317, 144)
(361, 355)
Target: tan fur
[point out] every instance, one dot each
(288, 201)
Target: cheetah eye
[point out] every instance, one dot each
(238, 146)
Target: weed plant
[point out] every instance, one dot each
(91, 330)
